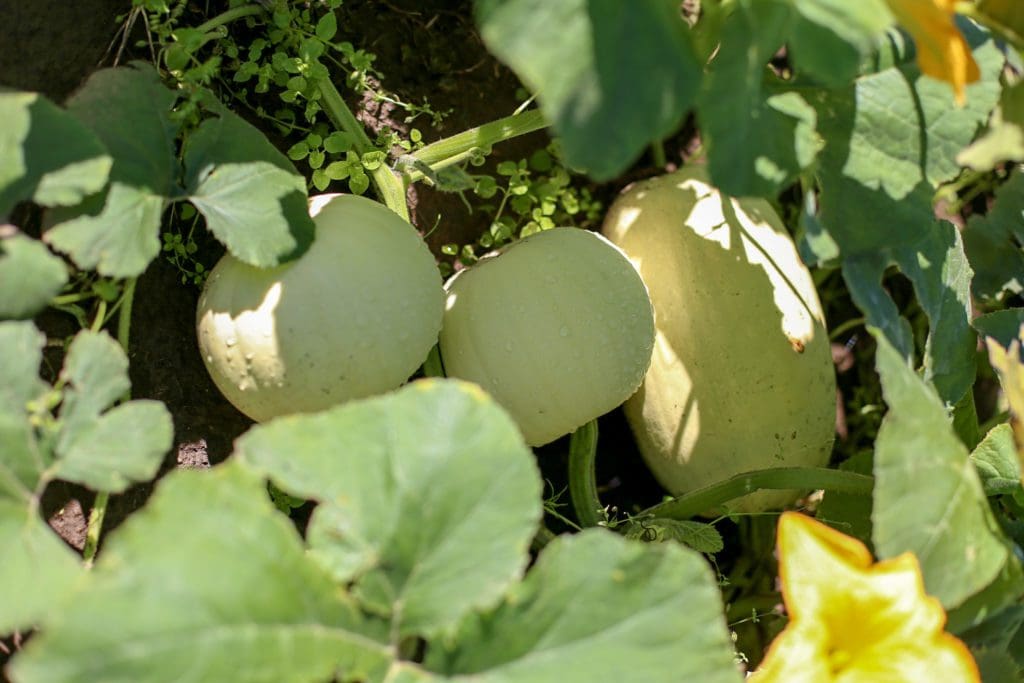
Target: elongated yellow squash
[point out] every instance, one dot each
(741, 377)
(352, 317)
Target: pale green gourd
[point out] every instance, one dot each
(354, 316)
(557, 327)
(741, 377)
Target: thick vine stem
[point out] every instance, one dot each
(462, 146)
(389, 186)
(99, 507)
(582, 481)
(799, 478)
(230, 15)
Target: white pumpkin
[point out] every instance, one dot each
(557, 327)
(354, 316)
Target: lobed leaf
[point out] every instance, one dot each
(928, 498)
(22, 346)
(598, 608)
(1004, 139)
(759, 138)
(30, 276)
(33, 167)
(38, 570)
(250, 194)
(993, 243)
(583, 58)
(428, 498)
(1003, 326)
(938, 269)
(207, 583)
(995, 458)
(116, 232)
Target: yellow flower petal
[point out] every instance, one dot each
(854, 621)
(942, 52)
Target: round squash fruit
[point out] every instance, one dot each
(354, 316)
(557, 327)
(741, 377)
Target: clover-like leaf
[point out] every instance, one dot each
(428, 498)
(34, 165)
(251, 196)
(116, 232)
(29, 275)
(583, 58)
(208, 583)
(928, 498)
(597, 608)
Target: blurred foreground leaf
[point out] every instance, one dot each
(611, 77)
(599, 609)
(208, 583)
(29, 275)
(407, 484)
(46, 155)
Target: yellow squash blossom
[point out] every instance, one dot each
(942, 52)
(852, 620)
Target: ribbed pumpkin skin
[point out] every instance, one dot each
(741, 377)
(557, 328)
(354, 316)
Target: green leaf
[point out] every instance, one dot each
(993, 242)
(597, 608)
(1006, 15)
(996, 460)
(1004, 139)
(611, 77)
(107, 452)
(327, 27)
(928, 498)
(38, 570)
(250, 194)
(207, 583)
(428, 498)
(758, 137)
(892, 138)
(124, 446)
(1003, 326)
(22, 346)
(29, 276)
(938, 268)
(831, 37)
(847, 512)
(704, 538)
(116, 232)
(32, 164)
